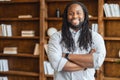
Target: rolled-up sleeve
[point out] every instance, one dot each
(55, 52)
(99, 56)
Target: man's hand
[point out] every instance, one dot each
(92, 51)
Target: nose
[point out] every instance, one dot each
(75, 15)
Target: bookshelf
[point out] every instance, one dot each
(108, 28)
(112, 39)
(24, 65)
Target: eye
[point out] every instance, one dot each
(79, 13)
(70, 13)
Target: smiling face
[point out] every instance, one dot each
(75, 16)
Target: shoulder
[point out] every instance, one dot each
(96, 36)
(56, 36)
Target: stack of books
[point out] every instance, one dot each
(27, 33)
(25, 16)
(10, 50)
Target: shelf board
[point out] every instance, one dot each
(18, 37)
(20, 1)
(57, 0)
(18, 19)
(60, 19)
(49, 76)
(112, 60)
(111, 18)
(54, 18)
(112, 38)
(62, 0)
(19, 73)
(19, 55)
(111, 78)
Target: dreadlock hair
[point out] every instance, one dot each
(85, 38)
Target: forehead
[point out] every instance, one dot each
(75, 7)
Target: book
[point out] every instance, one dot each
(46, 48)
(107, 10)
(10, 50)
(48, 68)
(45, 67)
(119, 54)
(5, 78)
(25, 16)
(29, 33)
(37, 49)
(1, 31)
(9, 30)
(95, 27)
(4, 65)
(1, 67)
(5, 30)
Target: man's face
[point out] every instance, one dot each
(75, 16)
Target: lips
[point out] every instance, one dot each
(75, 21)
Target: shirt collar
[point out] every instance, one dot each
(73, 31)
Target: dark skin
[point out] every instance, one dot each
(77, 61)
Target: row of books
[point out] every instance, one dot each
(95, 27)
(3, 78)
(48, 68)
(5, 30)
(4, 65)
(111, 10)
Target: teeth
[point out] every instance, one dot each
(75, 21)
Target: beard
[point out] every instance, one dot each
(76, 27)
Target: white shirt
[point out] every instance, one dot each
(55, 50)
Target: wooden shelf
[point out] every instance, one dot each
(111, 18)
(18, 37)
(62, 0)
(111, 78)
(49, 76)
(60, 19)
(22, 1)
(19, 73)
(117, 60)
(112, 38)
(18, 19)
(19, 55)
(57, 0)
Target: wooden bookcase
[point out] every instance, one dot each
(111, 30)
(23, 65)
(108, 28)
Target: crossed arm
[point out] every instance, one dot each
(79, 61)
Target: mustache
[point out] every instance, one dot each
(75, 19)
(79, 26)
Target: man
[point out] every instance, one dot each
(76, 52)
